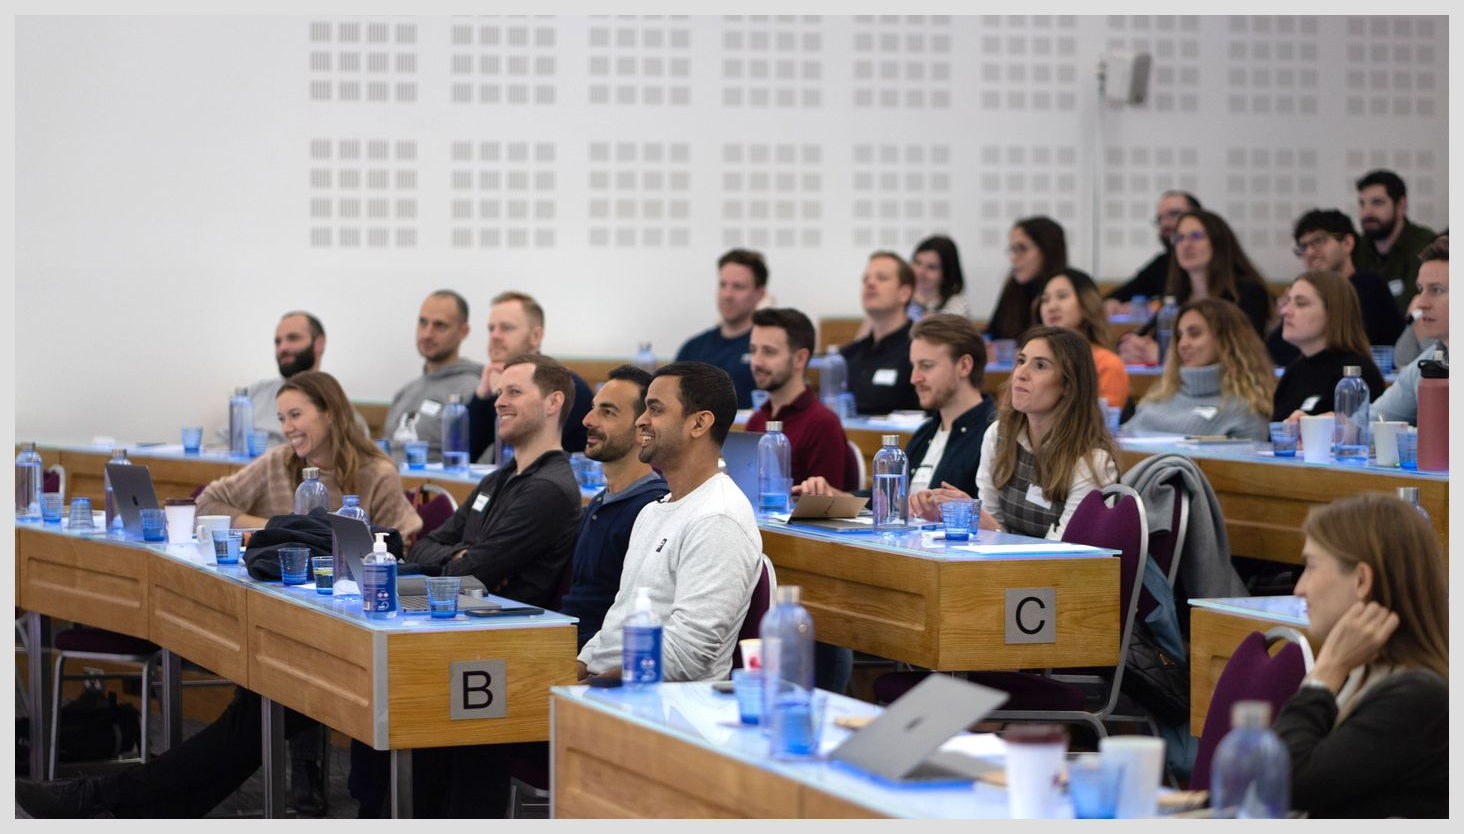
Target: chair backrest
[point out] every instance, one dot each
(1167, 548)
(762, 600)
(434, 512)
(1251, 674)
(855, 472)
(1125, 528)
(54, 480)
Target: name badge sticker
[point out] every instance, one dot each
(1310, 402)
(430, 407)
(480, 502)
(1395, 286)
(1206, 412)
(885, 376)
(1035, 496)
(746, 359)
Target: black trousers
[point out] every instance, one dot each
(447, 782)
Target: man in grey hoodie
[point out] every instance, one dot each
(442, 325)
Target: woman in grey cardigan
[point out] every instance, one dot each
(1218, 379)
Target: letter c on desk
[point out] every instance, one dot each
(1031, 615)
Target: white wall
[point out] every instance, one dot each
(180, 181)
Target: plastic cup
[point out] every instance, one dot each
(747, 684)
(1094, 784)
(442, 596)
(1142, 760)
(797, 719)
(385, 445)
(759, 397)
(594, 474)
(227, 544)
(416, 454)
(79, 518)
(293, 565)
(455, 461)
(154, 525)
(1317, 437)
(1004, 351)
(258, 442)
(956, 515)
(1283, 439)
(324, 569)
(1034, 755)
(1111, 415)
(53, 506)
(1385, 441)
(192, 439)
(1408, 449)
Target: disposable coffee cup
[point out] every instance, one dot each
(179, 512)
(1316, 438)
(1385, 440)
(751, 653)
(207, 524)
(1142, 760)
(1034, 755)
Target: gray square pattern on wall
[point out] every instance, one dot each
(373, 62)
(1396, 66)
(902, 61)
(1133, 177)
(502, 60)
(1426, 175)
(1017, 181)
(902, 193)
(772, 195)
(503, 195)
(1267, 189)
(772, 61)
(640, 61)
(1272, 65)
(1028, 63)
(1174, 43)
(639, 194)
(363, 193)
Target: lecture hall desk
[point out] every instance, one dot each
(1218, 625)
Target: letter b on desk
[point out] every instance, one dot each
(478, 689)
(1031, 615)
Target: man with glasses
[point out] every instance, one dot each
(1150, 279)
(1325, 242)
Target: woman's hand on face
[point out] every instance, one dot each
(1356, 639)
(1138, 350)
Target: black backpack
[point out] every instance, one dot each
(95, 727)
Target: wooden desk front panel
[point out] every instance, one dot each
(607, 767)
(973, 603)
(200, 617)
(877, 602)
(94, 582)
(419, 666)
(1214, 635)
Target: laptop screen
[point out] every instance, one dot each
(739, 452)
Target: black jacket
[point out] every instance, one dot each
(1317, 376)
(963, 448)
(519, 530)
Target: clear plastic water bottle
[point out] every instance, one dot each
(787, 657)
(351, 508)
(1164, 326)
(114, 518)
(311, 493)
(1139, 310)
(644, 358)
(404, 433)
(241, 422)
(502, 450)
(833, 380)
(1410, 494)
(455, 434)
(774, 471)
(379, 585)
(1251, 778)
(1349, 407)
(891, 480)
(29, 475)
(640, 645)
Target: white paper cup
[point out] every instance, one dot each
(1316, 438)
(1385, 439)
(751, 653)
(1142, 758)
(180, 522)
(1034, 754)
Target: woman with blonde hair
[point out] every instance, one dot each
(1218, 378)
(1322, 318)
(1069, 299)
(1368, 731)
(320, 431)
(1049, 446)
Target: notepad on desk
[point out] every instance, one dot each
(1051, 548)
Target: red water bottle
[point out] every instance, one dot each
(1433, 414)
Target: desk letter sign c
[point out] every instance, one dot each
(478, 689)
(1031, 615)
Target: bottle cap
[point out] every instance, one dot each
(1169, 299)
(775, 425)
(1409, 494)
(832, 349)
(454, 398)
(28, 446)
(642, 599)
(119, 452)
(889, 439)
(350, 499)
(1250, 714)
(312, 473)
(380, 546)
(789, 593)
(1352, 370)
(241, 391)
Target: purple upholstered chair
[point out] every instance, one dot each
(762, 599)
(1251, 674)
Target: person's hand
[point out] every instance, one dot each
(489, 382)
(1355, 641)
(816, 485)
(1138, 350)
(581, 671)
(987, 522)
(926, 503)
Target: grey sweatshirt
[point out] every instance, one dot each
(700, 557)
(1199, 408)
(426, 396)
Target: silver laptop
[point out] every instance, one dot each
(351, 539)
(739, 452)
(132, 492)
(901, 744)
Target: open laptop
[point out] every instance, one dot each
(132, 492)
(901, 744)
(739, 452)
(351, 539)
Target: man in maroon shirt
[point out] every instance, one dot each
(782, 341)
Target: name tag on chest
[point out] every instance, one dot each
(1310, 402)
(1206, 412)
(430, 408)
(885, 376)
(480, 502)
(1035, 496)
(1395, 286)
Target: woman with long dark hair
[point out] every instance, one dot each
(1037, 249)
(1321, 318)
(940, 286)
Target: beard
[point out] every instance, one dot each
(1381, 231)
(610, 449)
(304, 360)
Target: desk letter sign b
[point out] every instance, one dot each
(478, 689)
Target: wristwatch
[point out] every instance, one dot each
(1309, 682)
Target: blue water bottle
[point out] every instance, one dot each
(241, 422)
(114, 518)
(311, 493)
(1251, 778)
(774, 471)
(379, 585)
(891, 480)
(455, 435)
(29, 476)
(787, 657)
(640, 646)
(351, 508)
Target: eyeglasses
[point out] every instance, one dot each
(1018, 249)
(1195, 237)
(1172, 214)
(1315, 242)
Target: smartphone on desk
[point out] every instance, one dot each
(506, 611)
